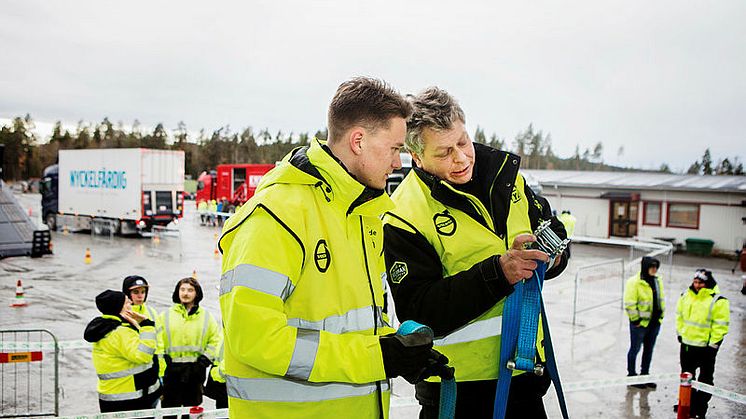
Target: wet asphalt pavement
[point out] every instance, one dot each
(61, 288)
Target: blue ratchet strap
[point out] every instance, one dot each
(518, 339)
(447, 409)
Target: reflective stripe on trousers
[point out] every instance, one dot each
(473, 331)
(280, 390)
(128, 396)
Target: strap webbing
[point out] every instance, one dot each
(518, 341)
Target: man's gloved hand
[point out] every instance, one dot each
(412, 357)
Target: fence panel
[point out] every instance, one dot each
(29, 373)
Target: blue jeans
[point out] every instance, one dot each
(645, 337)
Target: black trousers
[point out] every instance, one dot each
(693, 358)
(217, 391)
(476, 399)
(182, 384)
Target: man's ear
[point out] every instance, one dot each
(355, 139)
(417, 159)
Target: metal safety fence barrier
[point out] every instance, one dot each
(103, 229)
(165, 242)
(29, 376)
(601, 284)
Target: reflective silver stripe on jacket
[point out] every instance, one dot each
(125, 373)
(473, 331)
(147, 335)
(184, 359)
(280, 390)
(352, 321)
(715, 299)
(146, 349)
(304, 354)
(695, 324)
(183, 349)
(128, 396)
(153, 314)
(258, 279)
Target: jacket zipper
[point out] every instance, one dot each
(373, 300)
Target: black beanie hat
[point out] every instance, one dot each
(706, 276)
(110, 302)
(134, 281)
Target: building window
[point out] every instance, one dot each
(683, 215)
(651, 214)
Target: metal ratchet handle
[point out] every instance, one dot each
(549, 242)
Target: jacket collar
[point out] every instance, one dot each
(491, 167)
(338, 186)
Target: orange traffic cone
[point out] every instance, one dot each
(65, 230)
(194, 274)
(87, 259)
(30, 212)
(156, 239)
(216, 254)
(19, 301)
(51, 247)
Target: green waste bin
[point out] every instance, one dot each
(699, 247)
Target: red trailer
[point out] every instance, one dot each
(235, 182)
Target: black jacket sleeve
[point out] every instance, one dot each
(422, 294)
(545, 213)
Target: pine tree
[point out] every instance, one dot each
(707, 163)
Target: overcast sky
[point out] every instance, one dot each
(663, 79)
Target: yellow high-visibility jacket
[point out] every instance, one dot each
(638, 299)
(435, 239)
(702, 318)
(302, 294)
(185, 336)
(123, 358)
(569, 221)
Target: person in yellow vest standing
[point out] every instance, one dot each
(702, 321)
(302, 287)
(189, 339)
(123, 347)
(136, 288)
(645, 304)
(202, 210)
(454, 248)
(569, 221)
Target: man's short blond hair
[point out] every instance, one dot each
(366, 102)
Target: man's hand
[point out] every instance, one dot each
(133, 316)
(518, 262)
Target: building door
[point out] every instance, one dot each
(623, 218)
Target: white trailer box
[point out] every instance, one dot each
(133, 184)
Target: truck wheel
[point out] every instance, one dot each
(51, 221)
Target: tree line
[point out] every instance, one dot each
(26, 155)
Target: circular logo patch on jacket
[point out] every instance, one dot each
(445, 224)
(321, 256)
